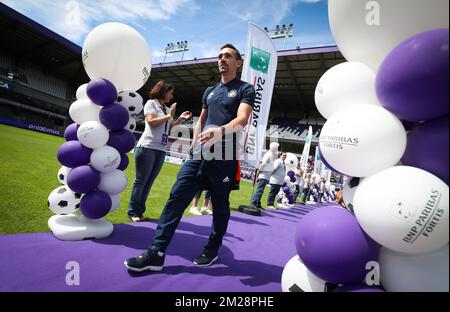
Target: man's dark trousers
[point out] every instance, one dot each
(219, 175)
(256, 200)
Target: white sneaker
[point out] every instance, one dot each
(206, 210)
(271, 207)
(195, 211)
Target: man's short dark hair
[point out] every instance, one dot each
(236, 51)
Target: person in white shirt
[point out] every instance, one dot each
(150, 150)
(276, 180)
(308, 183)
(265, 171)
(321, 189)
(299, 182)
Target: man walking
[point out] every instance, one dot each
(226, 108)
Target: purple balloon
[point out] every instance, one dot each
(279, 200)
(333, 246)
(83, 179)
(101, 91)
(72, 154)
(286, 189)
(95, 204)
(427, 148)
(122, 140)
(71, 132)
(412, 81)
(114, 116)
(124, 161)
(358, 288)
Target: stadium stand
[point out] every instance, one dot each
(41, 70)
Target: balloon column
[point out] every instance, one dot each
(118, 61)
(286, 194)
(396, 74)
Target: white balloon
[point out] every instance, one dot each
(361, 140)
(118, 53)
(132, 101)
(62, 174)
(131, 125)
(113, 182)
(81, 92)
(291, 161)
(63, 200)
(405, 209)
(84, 110)
(105, 159)
(414, 273)
(296, 277)
(92, 134)
(346, 84)
(366, 31)
(115, 202)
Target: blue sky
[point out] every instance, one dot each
(205, 24)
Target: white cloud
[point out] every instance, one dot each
(87, 13)
(158, 53)
(271, 11)
(168, 28)
(313, 40)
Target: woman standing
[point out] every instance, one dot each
(151, 148)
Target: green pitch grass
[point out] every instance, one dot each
(28, 173)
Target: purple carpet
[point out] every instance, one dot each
(251, 259)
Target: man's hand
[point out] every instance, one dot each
(186, 115)
(210, 136)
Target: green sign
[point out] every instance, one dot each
(260, 60)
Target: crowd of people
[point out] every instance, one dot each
(288, 185)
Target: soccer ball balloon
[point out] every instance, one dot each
(62, 174)
(131, 125)
(348, 191)
(297, 278)
(132, 101)
(63, 200)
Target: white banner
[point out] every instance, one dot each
(319, 166)
(259, 69)
(305, 154)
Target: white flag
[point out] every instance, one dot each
(305, 154)
(259, 69)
